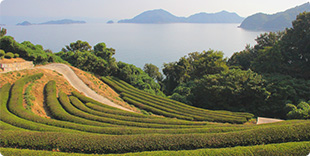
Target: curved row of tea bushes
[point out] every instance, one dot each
(58, 108)
(7, 117)
(134, 130)
(73, 127)
(169, 102)
(289, 149)
(116, 119)
(88, 108)
(179, 104)
(155, 110)
(74, 111)
(105, 109)
(69, 142)
(170, 108)
(134, 99)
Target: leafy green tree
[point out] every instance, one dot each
(153, 72)
(296, 47)
(268, 60)
(191, 67)
(102, 51)
(234, 90)
(2, 32)
(77, 46)
(242, 59)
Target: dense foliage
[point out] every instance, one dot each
(27, 51)
(261, 79)
(100, 61)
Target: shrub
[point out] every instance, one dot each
(9, 55)
(16, 55)
(88, 143)
(2, 53)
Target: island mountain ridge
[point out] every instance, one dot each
(163, 16)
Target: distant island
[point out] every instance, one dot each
(274, 22)
(63, 21)
(163, 16)
(110, 22)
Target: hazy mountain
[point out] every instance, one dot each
(220, 17)
(64, 21)
(154, 16)
(25, 23)
(274, 22)
(162, 16)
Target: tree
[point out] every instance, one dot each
(102, 51)
(192, 67)
(153, 72)
(296, 47)
(77, 46)
(234, 90)
(2, 32)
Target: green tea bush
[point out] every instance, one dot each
(9, 55)
(69, 142)
(106, 119)
(170, 108)
(291, 148)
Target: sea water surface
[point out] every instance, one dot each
(139, 44)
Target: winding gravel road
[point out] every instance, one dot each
(79, 85)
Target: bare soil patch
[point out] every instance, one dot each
(101, 88)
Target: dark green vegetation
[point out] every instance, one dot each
(260, 80)
(27, 51)
(300, 148)
(82, 125)
(274, 22)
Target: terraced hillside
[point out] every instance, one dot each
(79, 124)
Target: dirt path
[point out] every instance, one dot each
(79, 85)
(261, 120)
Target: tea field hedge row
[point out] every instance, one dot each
(170, 108)
(10, 118)
(78, 143)
(170, 102)
(289, 149)
(97, 106)
(179, 104)
(164, 121)
(34, 122)
(118, 129)
(82, 111)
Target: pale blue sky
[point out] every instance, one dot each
(120, 9)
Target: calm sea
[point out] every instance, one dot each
(141, 43)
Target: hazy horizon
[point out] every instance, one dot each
(95, 10)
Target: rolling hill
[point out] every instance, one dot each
(275, 22)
